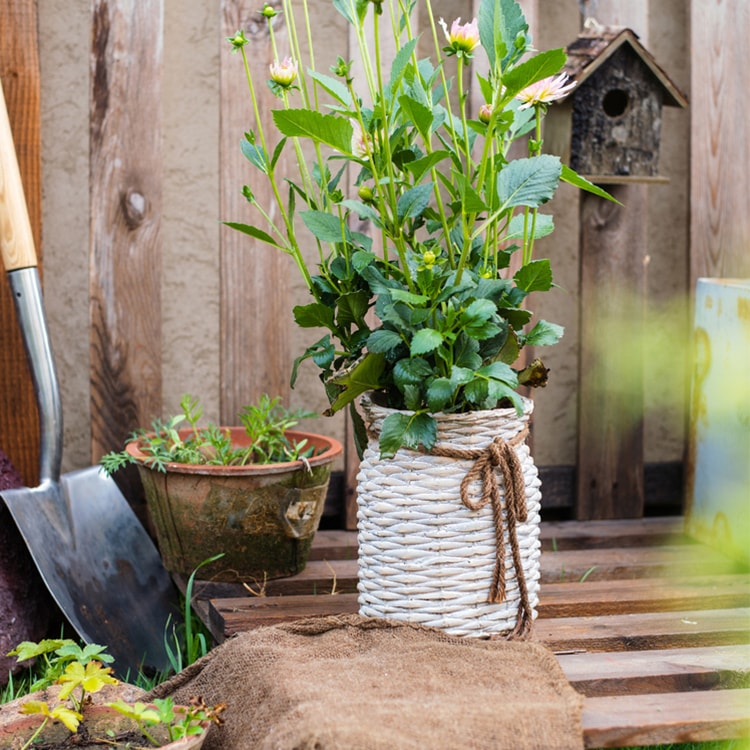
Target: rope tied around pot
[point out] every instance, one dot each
(499, 455)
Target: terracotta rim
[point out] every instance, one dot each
(330, 449)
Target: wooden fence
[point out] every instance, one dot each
(125, 344)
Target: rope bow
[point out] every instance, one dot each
(499, 455)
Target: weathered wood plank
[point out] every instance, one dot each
(638, 632)
(610, 399)
(631, 532)
(255, 349)
(620, 721)
(614, 246)
(228, 617)
(554, 535)
(661, 671)
(19, 73)
(125, 223)
(235, 614)
(607, 597)
(568, 567)
(719, 147)
(634, 562)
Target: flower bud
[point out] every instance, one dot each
(462, 38)
(284, 73)
(365, 194)
(429, 258)
(238, 40)
(485, 113)
(269, 11)
(360, 141)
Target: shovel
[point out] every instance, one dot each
(92, 552)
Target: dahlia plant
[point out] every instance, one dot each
(422, 310)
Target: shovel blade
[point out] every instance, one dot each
(100, 565)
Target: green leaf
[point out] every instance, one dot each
(420, 167)
(496, 391)
(304, 123)
(573, 178)
(439, 394)
(314, 315)
(362, 210)
(392, 434)
(528, 182)
(500, 22)
(353, 10)
(254, 154)
(535, 276)
(414, 201)
(461, 375)
(476, 391)
(334, 87)
(470, 199)
(352, 308)
(365, 376)
(478, 311)
(418, 114)
(326, 227)
(383, 341)
(277, 152)
(407, 430)
(254, 232)
(402, 295)
(361, 259)
(425, 340)
(322, 353)
(399, 65)
(544, 334)
(411, 371)
(422, 430)
(499, 371)
(530, 71)
(544, 225)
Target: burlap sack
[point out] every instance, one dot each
(354, 683)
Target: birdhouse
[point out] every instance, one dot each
(608, 128)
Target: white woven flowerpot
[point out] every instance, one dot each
(427, 558)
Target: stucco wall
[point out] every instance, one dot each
(190, 223)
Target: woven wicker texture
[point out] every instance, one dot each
(424, 557)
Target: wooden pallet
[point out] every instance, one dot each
(651, 627)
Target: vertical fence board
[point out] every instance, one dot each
(255, 298)
(610, 428)
(614, 241)
(19, 72)
(125, 193)
(720, 148)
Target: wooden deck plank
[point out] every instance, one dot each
(321, 575)
(235, 614)
(651, 630)
(607, 597)
(662, 671)
(338, 544)
(619, 721)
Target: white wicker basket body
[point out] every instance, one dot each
(424, 557)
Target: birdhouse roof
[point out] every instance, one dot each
(597, 43)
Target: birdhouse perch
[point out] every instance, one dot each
(609, 127)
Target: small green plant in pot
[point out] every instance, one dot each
(77, 703)
(254, 492)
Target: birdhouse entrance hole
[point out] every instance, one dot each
(615, 103)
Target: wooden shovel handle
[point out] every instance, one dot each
(16, 238)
